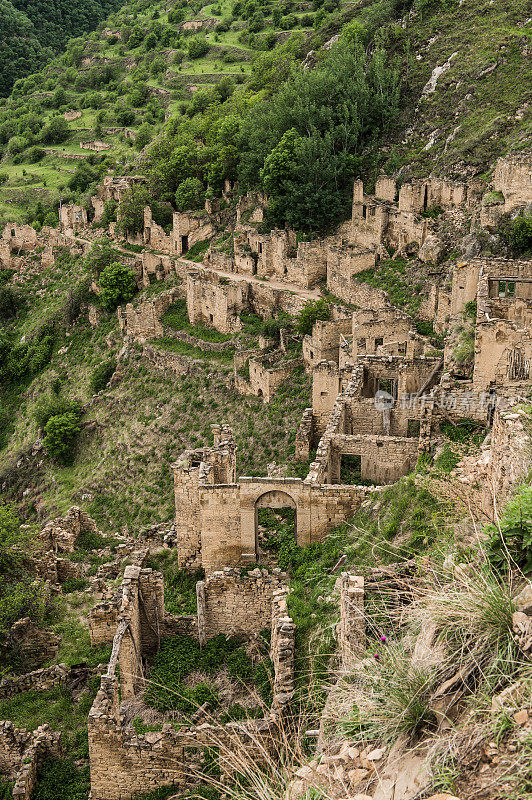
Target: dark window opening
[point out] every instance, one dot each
(350, 469)
(413, 427)
(184, 244)
(364, 212)
(211, 317)
(379, 342)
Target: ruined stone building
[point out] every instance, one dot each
(216, 513)
(124, 763)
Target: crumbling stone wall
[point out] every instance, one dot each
(215, 301)
(325, 341)
(21, 752)
(236, 604)
(379, 331)
(195, 467)
(144, 320)
(344, 263)
(72, 218)
(39, 680)
(282, 650)
(19, 237)
(123, 763)
(60, 534)
(265, 375)
(102, 623)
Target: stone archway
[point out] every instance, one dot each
(274, 499)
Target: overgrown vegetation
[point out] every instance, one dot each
(181, 655)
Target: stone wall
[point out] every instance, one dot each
(21, 752)
(351, 630)
(235, 604)
(325, 341)
(513, 177)
(124, 764)
(72, 218)
(343, 266)
(380, 331)
(144, 320)
(205, 466)
(60, 535)
(282, 650)
(486, 481)
(102, 623)
(39, 680)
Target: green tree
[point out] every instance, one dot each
(131, 210)
(190, 195)
(56, 131)
(118, 285)
(311, 312)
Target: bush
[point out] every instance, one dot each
(311, 312)
(118, 284)
(62, 773)
(510, 543)
(10, 302)
(54, 406)
(197, 48)
(56, 131)
(90, 540)
(60, 434)
(102, 375)
(520, 235)
(74, 585)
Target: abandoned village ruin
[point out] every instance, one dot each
(380, 392)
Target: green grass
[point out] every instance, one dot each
(224, 357)
(390, 275)
(181, 655)
(56, 708)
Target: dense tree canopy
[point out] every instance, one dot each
(299, 138)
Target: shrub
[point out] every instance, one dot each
(102, 375)
(10, 303)
(197, 48)
(54, 773)
(74, 585)
(520, 235)
(510, 543)
(239, 665)
(53, 406)
(118, 284)
(311, 312)
(60, 434)
(90, 540)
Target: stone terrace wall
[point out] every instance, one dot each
(236, 604)
(39, 680)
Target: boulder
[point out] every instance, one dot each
(432, 250)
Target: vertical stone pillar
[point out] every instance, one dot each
(352, 626)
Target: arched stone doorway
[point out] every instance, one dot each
(274, 499)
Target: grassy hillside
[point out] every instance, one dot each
(195, 64)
